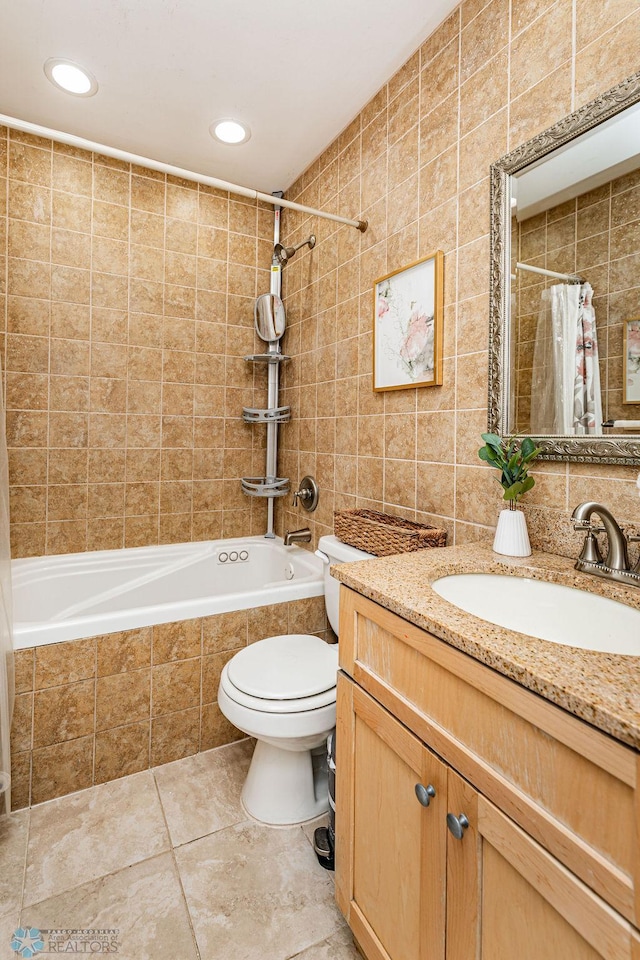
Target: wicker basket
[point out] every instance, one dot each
(382, 534)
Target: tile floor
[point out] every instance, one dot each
(169, 859)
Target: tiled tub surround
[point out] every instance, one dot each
(127, 302)
(601, 688)
(415, 162)
(92, 710)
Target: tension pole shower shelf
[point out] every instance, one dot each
(270, 486)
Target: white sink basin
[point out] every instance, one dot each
(549, 611)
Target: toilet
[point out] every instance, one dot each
(282, 691)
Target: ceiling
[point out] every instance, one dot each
(295, 72)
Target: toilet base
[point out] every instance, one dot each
(285, 786)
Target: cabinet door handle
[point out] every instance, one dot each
(425, 794)
(457, 825)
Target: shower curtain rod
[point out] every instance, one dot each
(72, 141)
(570, 278)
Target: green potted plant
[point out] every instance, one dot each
(512, 457)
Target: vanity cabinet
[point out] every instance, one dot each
(545, 860)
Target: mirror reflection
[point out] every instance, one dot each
(573, 308)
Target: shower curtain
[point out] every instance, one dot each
(565, 382)
(6, 622)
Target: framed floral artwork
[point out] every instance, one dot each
(407, 326)
(631, 361)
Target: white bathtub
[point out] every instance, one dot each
(88, 594)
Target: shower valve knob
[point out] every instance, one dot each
(308, 494)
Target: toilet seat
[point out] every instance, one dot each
(288, 673)
(305, 705)
(289, 666)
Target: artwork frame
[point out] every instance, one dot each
(631, 361)
(408, 307)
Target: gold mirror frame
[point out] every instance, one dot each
(614, 449)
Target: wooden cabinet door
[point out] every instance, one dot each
(509, 898)
(390, 849)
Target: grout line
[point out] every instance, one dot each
(457, 269)
(509, 48)
(161, 456)
(128, 347)
(46, 509)
(5, 274)
(95, 643)
(201, 704)
(95, 709)
(94, 880)
(574, 50)
(184, 897)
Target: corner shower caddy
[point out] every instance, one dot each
(270, 486)
(270, 326)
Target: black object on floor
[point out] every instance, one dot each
(324, 838)
(331, 770)
(324, 848)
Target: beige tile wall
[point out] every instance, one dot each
(127, 301)
(597, 236)
(93, 710)
(415, 162)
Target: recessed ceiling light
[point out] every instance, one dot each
(229, 131)
(71, 77)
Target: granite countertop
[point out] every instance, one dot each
(601, 688)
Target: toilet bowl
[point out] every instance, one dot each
(282, 691)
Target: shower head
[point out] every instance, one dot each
(283, 254)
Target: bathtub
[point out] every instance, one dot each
(87, 594)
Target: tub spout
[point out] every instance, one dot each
(297, 536)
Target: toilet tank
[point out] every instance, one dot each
(333, 550)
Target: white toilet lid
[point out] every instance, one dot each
(305, 705)
(287, 667)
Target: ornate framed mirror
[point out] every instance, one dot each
(564, 281)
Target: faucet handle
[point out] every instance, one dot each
(302, 494)
(586, 526)
(631, 538)
(590, 552)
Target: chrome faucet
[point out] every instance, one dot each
(297, 536)
(615, 566)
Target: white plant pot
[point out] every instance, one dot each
(512, 539)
